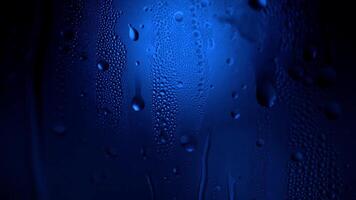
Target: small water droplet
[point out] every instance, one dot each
(162, 93)
(143, 153)
(175, 171)
(103, 65)
(204, 3)
(296, 73)
(178, 16)
(218, 188)
(106, 111)
(162, 139)
(111, 152)
(266, 94)
(229, 61)
(137, 63)
(235, 115)
(188, 142)
(59, 129)
(260, 142)
(297, 156)
(310, 53)
(82, 94)
(180, 84)
(133, 33)
(67, 35)
(196, 34)
(211, 43)
(258, 4)
(137, 104)
(235, 95)
(326, 77)
(332, 110)
(83, 57)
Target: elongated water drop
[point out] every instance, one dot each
(133, 33)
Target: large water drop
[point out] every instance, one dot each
(133, 33)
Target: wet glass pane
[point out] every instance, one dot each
(177, 100)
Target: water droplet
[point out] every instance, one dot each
(82, 94)
(204, 3)
(326, 77)
(83, 57)
(137, 104)
(229, 61)
(137, 63)
(235, 95)
(133, 33)
(162, 138)
(296, 73)
(178, 16)
(297, 156)
(67, 35)
(260, 142)
(188, 142)
(111, 152)
(310, 53)
(143, 153)
(258, 4)
(332, 110)
(211, 43)
(103, 65)
(162, 93)
(175, 171)
(196, 34)
(180, 84)
(266, 94)
(59, 129)
(235, 115)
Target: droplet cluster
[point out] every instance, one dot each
(111, 60)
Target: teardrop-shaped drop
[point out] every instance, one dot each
(133, 33)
